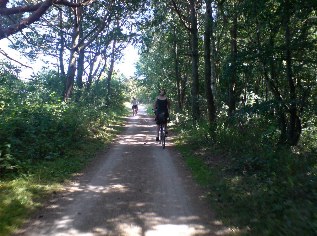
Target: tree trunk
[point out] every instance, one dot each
(233, 72)
(208, 70)
(195, 62)
(80, 68)
(70, 76)
(92, 73)
(183, 89)
(72, 59)
(280, 110)
(62, 45)
(214, 73)
(294, 129)
(110, 71)
(81, 49)
(177, 71)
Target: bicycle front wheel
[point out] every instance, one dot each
(162, 137)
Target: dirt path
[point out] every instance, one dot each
(134, 189)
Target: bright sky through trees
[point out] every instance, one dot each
(126, 66)
(27, 67)
(128, 61)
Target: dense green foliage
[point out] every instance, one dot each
(37, 125)
(253, 187)
(52, 124)
(255, 61)
(44, 141)
(258, 156)
(263, 58)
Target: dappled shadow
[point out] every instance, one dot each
(133, 190)
(11, 205)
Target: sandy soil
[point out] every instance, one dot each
(135, 188)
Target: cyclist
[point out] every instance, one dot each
(134, 103)
(161, 108)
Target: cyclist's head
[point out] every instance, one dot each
(162, 92)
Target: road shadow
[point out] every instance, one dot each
(135, 188)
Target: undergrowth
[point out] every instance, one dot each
(24, 191)
(44, 141)
(254, 185)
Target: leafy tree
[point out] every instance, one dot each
(281, 53)
(209, 57)
(89, 37)
(26, 14)
(259, 57)
(188, 16)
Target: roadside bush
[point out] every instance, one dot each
(37, 125)
(256, 185)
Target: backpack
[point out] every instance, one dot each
(161, 118)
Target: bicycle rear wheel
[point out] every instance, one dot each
(162, 136)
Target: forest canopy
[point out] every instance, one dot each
(250, 60)
(247, 60)
(241, 76)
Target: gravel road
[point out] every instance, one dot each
(135, 188)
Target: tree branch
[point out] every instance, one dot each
(35, 16)
(17, 10)
(38, 10)
(181, 17)
(71, 4)
(10, 58)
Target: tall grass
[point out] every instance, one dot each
(44, 142)
(254, 184)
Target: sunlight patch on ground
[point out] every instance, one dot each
(98, 189)
(142, 139)
(134, 139)
(137, 125)
(175, 230)
(61, 224)
(109, 189)
(155, 225)
(129, 230)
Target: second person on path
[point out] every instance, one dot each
(161, 109)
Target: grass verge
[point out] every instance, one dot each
(271, 192)
(22, 194)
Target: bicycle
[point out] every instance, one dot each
(161, 121)
(162, 136)
(134, 110)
